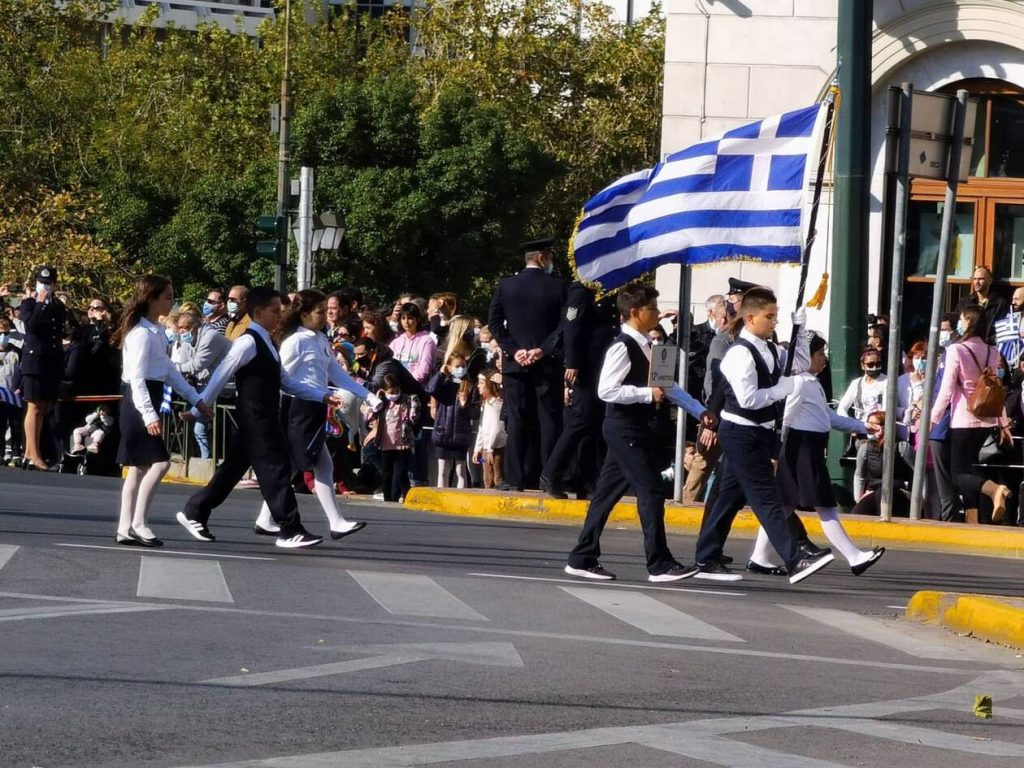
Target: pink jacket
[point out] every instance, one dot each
(958, 383)
(416, 354)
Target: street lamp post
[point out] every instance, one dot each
(283, 182)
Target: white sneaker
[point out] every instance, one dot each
(378, 496)
(810, 566)
(195, 529)
(298, 541)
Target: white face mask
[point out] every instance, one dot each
(40, 287)
(393, 396)
(945, 337)
(459, 373)
(233, 307)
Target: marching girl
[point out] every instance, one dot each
(802, 475)
(147, 368)
(306, 355)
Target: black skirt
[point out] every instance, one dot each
(305, 426)
(138, 448)
(39, 389)
(803, 478)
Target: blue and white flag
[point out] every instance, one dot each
(737, 197)
(11, 398)
(165, 401)
(1008, 339)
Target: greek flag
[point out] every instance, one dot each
(1008, 337)
(10, 397)
(165, 401)
(737, 197)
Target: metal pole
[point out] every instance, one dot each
(938, 298)
(683, 343)
(303, 269)
(629, 13)
(283, 182)
(900, 103)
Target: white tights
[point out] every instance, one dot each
(136, 495)
(323, 487)
(444, 469)
(834, 532)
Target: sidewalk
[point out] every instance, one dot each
(928, 535)
(995, 619)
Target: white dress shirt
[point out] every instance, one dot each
(610, 387)
(739, 370)
(307, 357)
(144, 357)
(807, 409)
(242, 352)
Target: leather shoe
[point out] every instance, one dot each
(765, 570)
(508, 487)
(552, 489)
(142, 540)
(342, 534)
(811, 550)
(876, 555)
(126, 541)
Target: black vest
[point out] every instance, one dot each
(258, 382)
(639, 417)
(765, 380)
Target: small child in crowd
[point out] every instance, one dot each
(10, 382)
(391, 430)
(89, 436)
(454, 410)
(490, 437)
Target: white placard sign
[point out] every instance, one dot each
(664, 365)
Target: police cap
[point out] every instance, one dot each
(46, 274)
(739, 286)
(542, 244)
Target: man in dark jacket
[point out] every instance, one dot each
(588, 329)
(525, 314)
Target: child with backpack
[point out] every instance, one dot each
(454, 409)
(391, 431)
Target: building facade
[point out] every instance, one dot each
(729, 62)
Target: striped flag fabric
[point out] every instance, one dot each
(11, 397)
(165, 401)
(740, 196)
(1008, 339)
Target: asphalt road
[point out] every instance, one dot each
(433, 640)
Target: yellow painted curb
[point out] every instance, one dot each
(996, 619)
(930, 535)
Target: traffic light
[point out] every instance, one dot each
(277, 227)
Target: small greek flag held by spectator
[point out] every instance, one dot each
(165, 402)
(1008, 339)
(11, 398)
(741, 196)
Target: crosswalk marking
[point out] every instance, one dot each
(650, 615)
(176, 578)
(906, 640)
(6, 553)
(413, 595)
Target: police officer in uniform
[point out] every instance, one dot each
(525, 315)
(588, 329)
(42, 359)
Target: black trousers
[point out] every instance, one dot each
(395, 473)
(946, 505)
(965, 445)
(630, 462)
(574, 459)
(747, 476)
(531, 397)
(11, 416)
(261, 445)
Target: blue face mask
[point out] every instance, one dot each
(208, 309)
(3, 339)
(186, 338)
(171, 335)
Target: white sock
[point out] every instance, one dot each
(148, 484)
(443, 468)
(129, 492)
(461, 474)
(838, 538)
(762, 554)
(323, 487)
(266, 520)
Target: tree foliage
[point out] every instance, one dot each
(443, 142)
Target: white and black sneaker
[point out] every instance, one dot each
(195, 529)
(677, 572)
(300, 540)
(809, 566)
(594, 573)
(716, 570)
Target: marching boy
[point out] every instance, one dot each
(631, 427)
(754, 388)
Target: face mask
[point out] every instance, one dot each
(186, 338)
(3, 339)
(395, 326)
(208, 309)
(233, 307)
(961, 329)
(549, 267)
(1001, 373)
(459, 373)
(40, 287)
(872, 372)
(393, 396)
(476, 331)
(945, 337)
(171, 335)
(489, 355)
(919, 364)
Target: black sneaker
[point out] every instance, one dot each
(716, 571)
(195, 529)
(300, 540)
(594, 573)
(809, 566)
(677, 572)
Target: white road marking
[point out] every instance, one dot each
(607, 584)
(182, 552)
(413, 595)
(78, 609)
(649, 615)
(6, 553)
(177, 579)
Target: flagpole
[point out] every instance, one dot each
(683, 326)
(805, 261)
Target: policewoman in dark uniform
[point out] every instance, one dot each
(42, 359)
(525, 314)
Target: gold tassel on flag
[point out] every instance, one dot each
(817, 301)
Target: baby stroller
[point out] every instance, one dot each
(93, 445)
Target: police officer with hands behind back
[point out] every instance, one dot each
(524, 317)
(42, 358)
